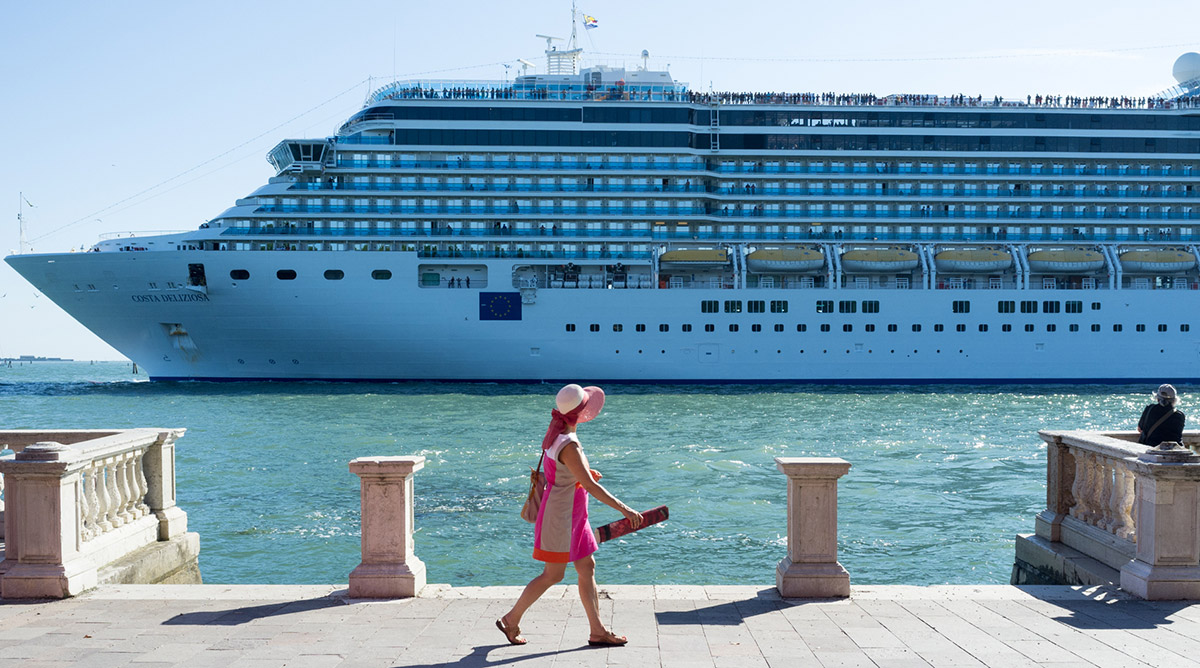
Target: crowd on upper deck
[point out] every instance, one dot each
(620, 92)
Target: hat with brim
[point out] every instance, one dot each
(590, 400)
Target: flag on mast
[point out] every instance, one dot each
(590, 22)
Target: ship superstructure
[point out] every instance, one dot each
(613, 224)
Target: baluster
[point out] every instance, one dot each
(121, 468)
(85, 504)
(112, 509)
(103, 500)
(1128, 528)
(1078, 485)
(1106, 468)
(1095, 490)
(143, 487)
(131, 487)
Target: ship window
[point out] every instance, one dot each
(847, 306)
(1185, 328)
(824, 328)
(825, 306)
(756, 306)
(664, 328)
(1006, 328)
(1029, 307)
(594, 327)
(239, 274)
(1050, 307)
(618, 327)
(709, 328)
(847, 328)
(1029, 328)
(916, 328)
(733, 328)
(779, 306)
(961, 306)
(1140, 328)
(960, 328)
(733, 306)
(869, 328)
(1006, 307)
(871, 306)
(1096, 328)
(708, 306)
(686, 328)
(1162, 328)
(1073, 328)
(939, 328)
(286, 275)
(1095, 306)
(892, 328)
(570, 327)
(385, 275)
(1074, 307)
(640, 327)
(756, 328)
(334, 274)
(983, 328)
(801, 327)
(779, 328)
(1050, 328)
(1117, 328)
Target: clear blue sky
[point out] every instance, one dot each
(156, 116)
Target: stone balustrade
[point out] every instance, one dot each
(1117, 511)
(78, 501)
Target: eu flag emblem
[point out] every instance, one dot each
(499, 306)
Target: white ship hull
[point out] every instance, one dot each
(363, 329)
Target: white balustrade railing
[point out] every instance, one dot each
(1126, 506)
(79, 500)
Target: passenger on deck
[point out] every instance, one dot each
(1161, 421)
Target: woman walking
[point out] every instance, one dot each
(562, 533)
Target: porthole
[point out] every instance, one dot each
(381, 275)
(271, 361)
(334, 274)
(239, 274)
(286, 275)
(241, 361)
(295, 361)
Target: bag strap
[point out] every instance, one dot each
(1158, 424)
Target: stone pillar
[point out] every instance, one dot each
(1167, 566)
(811, 568)
(389, 569)
(1060, 477)
(159, 468)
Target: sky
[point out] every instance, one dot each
(138, 116)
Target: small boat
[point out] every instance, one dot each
(696, 258)
(973, 260)
(875, 260)
(785, 260)
(1065, 261)
(1157, 261)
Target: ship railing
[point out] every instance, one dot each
(79, 500)
(1128, 506)
(106, 236)
(535, 254)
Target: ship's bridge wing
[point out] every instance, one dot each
(296, 156)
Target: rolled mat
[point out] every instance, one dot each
(621, 527)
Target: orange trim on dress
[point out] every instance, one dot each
(551, 557)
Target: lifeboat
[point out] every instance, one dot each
(973, 260)
(1157, 261)
(1065, 261)
(879, 260)
(696, 258)
(785, 260)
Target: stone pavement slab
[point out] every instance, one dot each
(224, 626)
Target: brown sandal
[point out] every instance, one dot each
(513, 633)
(610, 640)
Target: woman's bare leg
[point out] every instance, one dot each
(586, 569)
(551, 575)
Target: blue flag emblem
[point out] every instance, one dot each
(499, 306)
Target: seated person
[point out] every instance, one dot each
(1160, 421)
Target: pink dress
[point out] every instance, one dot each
(562, 533)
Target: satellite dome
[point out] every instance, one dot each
(1187, 67)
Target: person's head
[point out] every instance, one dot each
(1166, 395)
(580, 403)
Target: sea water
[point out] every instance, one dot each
(942, 477)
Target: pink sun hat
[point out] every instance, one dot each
(588, 399)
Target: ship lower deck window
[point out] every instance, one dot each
(285, 275)
(960, 328)
(594, 327)
(756, 306)
(938, 328)
(686, 328)
(1029, 328)
(779, 306)
(1185, 328)
(1050, 307)
(570, 327)
(710, 328)
(617, 328)
(961, 306)
(384, 275)
(1074, 307)
(983, 328)
(239, 274)
(1140, 328)
(756, 328)
(1095, 328)
(869, 328)
(1073, 328)
(334, 274)
(824, 328)
(664, 328)
(733, 306)
(1117, 328)
(801, 327)
(640, 328)
(916, 328)
(1051, 328)
(825, 306)
(1162, 328)
(1006, 328)
(847, 328)
(779, 328)
(709, 306)
(1006, 307)
(733, 328)
(1029, 307)
(892, 328)
(847, 306)
(1095, 306)
(870, 306)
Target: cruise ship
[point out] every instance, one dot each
(605, 224)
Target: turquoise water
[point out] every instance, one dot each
(942, 477)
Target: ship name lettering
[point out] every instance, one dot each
(182, 297)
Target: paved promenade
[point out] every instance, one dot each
(724, 627)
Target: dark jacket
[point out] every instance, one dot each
(1171, 429)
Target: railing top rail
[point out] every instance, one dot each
(1116, 444)
(65, 436)
(104, 443)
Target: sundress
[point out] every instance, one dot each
(562, 533)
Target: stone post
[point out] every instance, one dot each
(811, 568)
(389, 568)
(1060, 477)
(1167, 566)
(159, 468)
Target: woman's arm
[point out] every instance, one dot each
(577, 464)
